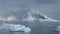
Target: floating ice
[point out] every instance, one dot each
(58, 28)
(14, 27)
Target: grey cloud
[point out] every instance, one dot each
(48, 7)
(46, 1)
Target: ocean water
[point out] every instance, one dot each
(37, 27)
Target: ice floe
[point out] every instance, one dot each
(14, 28)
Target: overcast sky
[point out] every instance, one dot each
(49, 7)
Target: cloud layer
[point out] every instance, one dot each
(48, 7)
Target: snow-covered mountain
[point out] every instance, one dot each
(27, 15)
(34, 14)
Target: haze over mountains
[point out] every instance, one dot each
(26, 15)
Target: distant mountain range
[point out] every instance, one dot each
(26, 15)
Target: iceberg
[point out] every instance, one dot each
(14, 27)
(10, 18)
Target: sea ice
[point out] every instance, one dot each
(14, 28)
